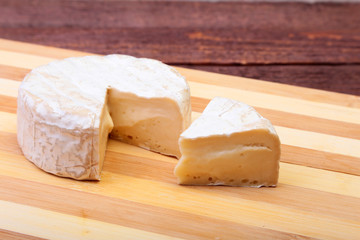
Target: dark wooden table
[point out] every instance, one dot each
(312, 45)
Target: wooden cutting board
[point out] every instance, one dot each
(318, 195)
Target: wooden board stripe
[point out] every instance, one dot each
(242, 211)
(319, 141)
(8, 104)
(8, 143)
(9, 87)
(35, 222)
(10, 235)
(131, 214)
(8, 122)
(22, 60)
(13, 73)
(322, 160)
(205, 77)
(35, 49)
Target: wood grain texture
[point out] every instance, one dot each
(337, 78)
(137, 198)
(315, 42)
(13, 72)
(9, 235)
(8, 104)
(178, 45)
(145, 217)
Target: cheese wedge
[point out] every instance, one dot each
(229, 144)
(67, 109)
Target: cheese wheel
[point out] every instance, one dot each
(67, 108)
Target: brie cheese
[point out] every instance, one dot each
(67, 109)
(229, 144)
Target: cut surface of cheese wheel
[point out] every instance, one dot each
(67, 108)
(229, 144)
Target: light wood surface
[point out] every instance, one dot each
(318, 195)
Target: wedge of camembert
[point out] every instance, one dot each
(229, 144)
(67, 109)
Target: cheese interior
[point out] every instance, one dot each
(147, 123)
(154, 124)
(246, 155)
(242, 159)
(106, 127)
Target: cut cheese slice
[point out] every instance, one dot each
(67, 109)
(229, 144)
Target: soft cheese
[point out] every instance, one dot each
(229, 144)
(67, 109)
